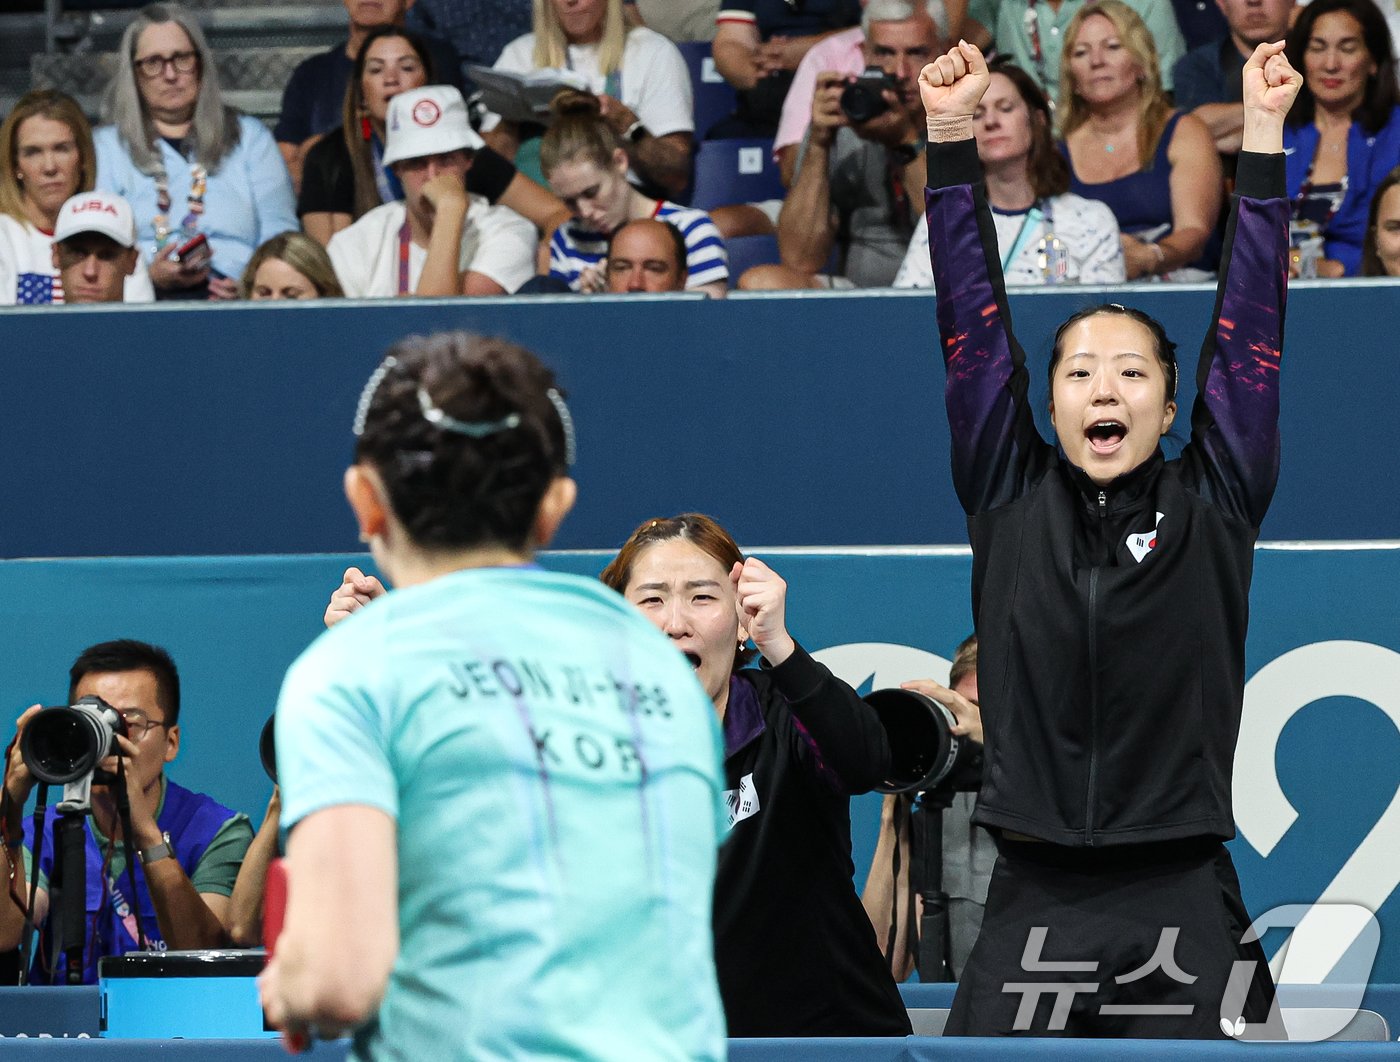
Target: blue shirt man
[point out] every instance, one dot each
(187, 846)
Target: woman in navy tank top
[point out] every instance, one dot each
(1155, 168)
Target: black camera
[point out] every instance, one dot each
(924, 752)
(864, 98)
(64, 742)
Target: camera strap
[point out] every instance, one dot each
(123, 800)
(41, 802)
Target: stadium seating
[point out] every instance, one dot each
(714, 98)
(735, 171)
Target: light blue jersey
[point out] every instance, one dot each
(555, 771)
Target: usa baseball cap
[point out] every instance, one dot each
(431, 120)
(96, 212)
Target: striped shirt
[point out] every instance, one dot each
(575, 247)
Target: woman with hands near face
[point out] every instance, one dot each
(798, 742)
(1110, 592)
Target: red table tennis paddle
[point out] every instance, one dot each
(274, 913)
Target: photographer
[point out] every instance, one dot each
(188, 846)
(894, 901)
(861, 165)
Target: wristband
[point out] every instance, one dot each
(155, 853)
(636, 132)
(1161, 258)
(947, 128)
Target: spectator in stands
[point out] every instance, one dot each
(640, 77)
(841, 53)
(1157, 169)
(680, 20)
(968, 851)
(467, 879)
(586, 164)
(1207, 79)
(1380, 252)
(1343, 134)
(1046, 233)
(46, 157)
(757, 48)
(187, 163)
(646, 255)
(289, 266)
(857, 182)
(188, 845)
(440, 239)
(315, 93)
(477, 30)
(94, 247)
(345, 176)
(1034, 34)
(795, 951)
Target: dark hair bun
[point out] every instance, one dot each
(575, 103)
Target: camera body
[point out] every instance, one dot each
(864, 98)
(66, 742)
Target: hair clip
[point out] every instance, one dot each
(476, 429)
(570, 448)
(367, 395)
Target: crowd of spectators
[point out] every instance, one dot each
(1109, 141)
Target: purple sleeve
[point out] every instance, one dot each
(996, 448)
(1234, 448)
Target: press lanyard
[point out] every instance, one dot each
(405, 237)
(1033, 217)
(388, 186)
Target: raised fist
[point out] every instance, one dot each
(952, 85)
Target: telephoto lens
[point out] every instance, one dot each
(924, 751)
(64, 742)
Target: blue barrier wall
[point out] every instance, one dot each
(1319, 761)
(802, 420)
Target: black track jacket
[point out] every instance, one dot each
(1111, 621)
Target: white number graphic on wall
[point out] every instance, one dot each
(1276, 693)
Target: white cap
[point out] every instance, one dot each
(96, 212)
(431, 120)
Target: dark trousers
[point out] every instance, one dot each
(1129, 941)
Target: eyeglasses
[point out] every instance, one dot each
(139, 724)
(154, 65)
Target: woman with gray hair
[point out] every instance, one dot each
(207, 184)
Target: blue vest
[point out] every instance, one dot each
(189, 819)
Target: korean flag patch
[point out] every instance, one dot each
(743, 802)
(1141, 545)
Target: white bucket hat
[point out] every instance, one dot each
(96, 212)
(431, 120)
